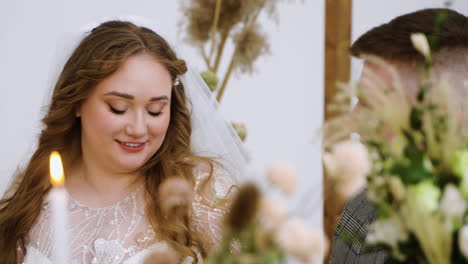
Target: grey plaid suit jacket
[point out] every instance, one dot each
(357, 215)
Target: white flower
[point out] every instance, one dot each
(348, 163)
(295, 238)
(283, 175)
(452, 203)
(420, 43)
(349, 188)
(397, 188)
(273, 211)
(426, 194)
(386, 231)
(463, 240)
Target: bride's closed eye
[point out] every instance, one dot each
(154, 113)
(116, 111)
(123, 111)
(156, 108)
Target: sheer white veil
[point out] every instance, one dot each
(211, 137)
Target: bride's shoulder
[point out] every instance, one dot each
(212, 169)
(203, 168)
(212, 180)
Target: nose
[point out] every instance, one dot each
(136, 127)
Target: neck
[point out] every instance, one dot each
(96, 186)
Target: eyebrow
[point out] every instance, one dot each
(131, 97)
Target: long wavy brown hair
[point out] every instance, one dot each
(97, 56)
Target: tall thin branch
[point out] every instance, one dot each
(229, 71)
(205, 57)
(221, 45)
(249, 22)
(214, 28)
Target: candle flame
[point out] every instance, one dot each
(56, 170)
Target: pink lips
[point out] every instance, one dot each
(141, 146)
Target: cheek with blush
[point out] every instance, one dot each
(107, 122)
(158, 129)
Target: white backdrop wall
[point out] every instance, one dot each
(281, 104)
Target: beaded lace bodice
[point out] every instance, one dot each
(120, 233)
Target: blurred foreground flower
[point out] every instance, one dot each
(283, 176)
(388, 230)
(426, 194)
(174, 193)
(463, 241)
(420, 42)
(297, 239)
(452, 203)
(460, 164)
(273, 212)
(244, 208)
(175, 197)
(348, 165)
(258, 230)
(397, 188)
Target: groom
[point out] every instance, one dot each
(391, 42)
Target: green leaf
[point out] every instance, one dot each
(273, 256)
(421, 93)
(381, 212)
(210, 79)
(412, 173)
(416, 118)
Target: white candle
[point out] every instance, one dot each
(58, 204)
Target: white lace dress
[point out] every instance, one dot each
(120, 234)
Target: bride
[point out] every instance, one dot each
(125, 114)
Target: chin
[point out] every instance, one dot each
(131, 165)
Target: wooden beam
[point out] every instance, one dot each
(337, 43)
(338, 14)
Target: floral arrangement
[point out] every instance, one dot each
(258, 229)
(411, 153)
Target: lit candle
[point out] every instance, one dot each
(58, 204)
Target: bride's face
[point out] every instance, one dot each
(125, 119)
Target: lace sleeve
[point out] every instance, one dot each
(210, 204)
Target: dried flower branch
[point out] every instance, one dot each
(212, 23)
(261, 231)
(244, 208)
(175, 193)
(175, 198)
